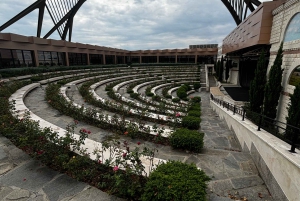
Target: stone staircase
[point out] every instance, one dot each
(202, 78)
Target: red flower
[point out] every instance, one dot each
(99, 161)
(89, 132)
(177, 114)
(115, 168)
(24, 179)
(124, 155)
(126, 133)
(76, 122)
(40, 152)
(138, 143)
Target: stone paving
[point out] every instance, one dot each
(233, 173)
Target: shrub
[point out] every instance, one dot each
(196, 99)
(168, 96)
(187, 139)
(156, 98)
(176, 181)
(191, 122)
(134, 95)
(195, 106)
(194, 113)
(150, 94)
(175, 100)
(197, 86)
(129, 91)
(181, 92)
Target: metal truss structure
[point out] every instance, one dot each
(239, 8)
(62, 13)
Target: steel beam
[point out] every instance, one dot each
(239, 8)
(32, 7)
(56, 13)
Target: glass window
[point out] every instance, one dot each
(6, 60)
(48, 59)
(28, 58)
(54, 58)
(18, 58)
(293, 30)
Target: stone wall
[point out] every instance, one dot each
(279, 168)
(291, 59)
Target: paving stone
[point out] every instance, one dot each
(62, 186)
(18, 194)
(231, 163)
(245, 182)
(30, 176)
(17, 155)
(254, 193)
(3, 154)
(221, 186)
(214, 197)
(5, 167)
(221, 141)
(92, 194)
(4, 191)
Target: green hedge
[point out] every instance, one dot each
(191, 122)
(197, 85)
(195, 106)
(194, 113)
(134, 95)
(187, 139)
(196, 99)
(176, 181)
(175, 100)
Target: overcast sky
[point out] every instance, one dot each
(134, 24)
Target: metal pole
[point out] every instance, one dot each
(259, 124)
(294, 141)
(244, 111)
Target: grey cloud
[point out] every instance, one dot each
(135, 24)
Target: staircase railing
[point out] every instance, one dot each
(286, 132)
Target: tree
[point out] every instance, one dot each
(218, 67)
(220, 74)
(293, 117)
(273, 87)
(257, 85)
(228, 63)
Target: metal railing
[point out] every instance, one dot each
(285, 132)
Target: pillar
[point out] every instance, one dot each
(104, 61)
(88, 59)
(36, 57)
(67, 59)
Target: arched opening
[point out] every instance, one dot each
(295, 77)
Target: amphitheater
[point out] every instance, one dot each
(119, 110)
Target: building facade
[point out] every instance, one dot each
(21, 51)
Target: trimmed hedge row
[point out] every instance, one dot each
(176, 181)
(181, 91)
(184, 138)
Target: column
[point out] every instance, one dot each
(88, 59)
(67, 59)
(104, 61)
(36, 57)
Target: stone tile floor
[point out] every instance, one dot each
(234, 175)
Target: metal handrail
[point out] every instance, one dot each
(270, 125)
